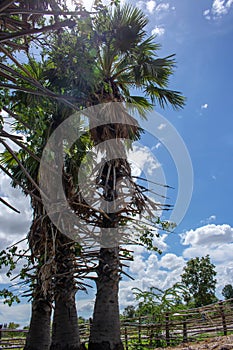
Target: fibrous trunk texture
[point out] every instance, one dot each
(38, 337)
(65, 331)
(105, 330)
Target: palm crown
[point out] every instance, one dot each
(127, 58)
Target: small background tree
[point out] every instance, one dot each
(129, 311)
(227, 291)
(155, 303)
(199, 277)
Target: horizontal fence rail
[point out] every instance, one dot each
(173, 327)
(12, 338)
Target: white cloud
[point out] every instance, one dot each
(150, 5)
(85, 306)
(208, 220)
(208, 236)
(206, 14)
(212, 218)
(218, 9)
(163, 7)
(159, 31)
(162, 126)
(217, 241)
(143, 160)
(171, 262)
(204, 106)
(221, 7)
(149, 272)
(157, 146)
(87, 4)
(13, 226)
(141, 4)
(18, 313)
(142, 264)
(161, 10)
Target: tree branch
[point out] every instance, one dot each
(8, 205)
(58, 25)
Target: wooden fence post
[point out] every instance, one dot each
(167, 328)
(0, 336)
(185, 333)
(126, 339)
(224, 325)
(139, 330)
(151, 334)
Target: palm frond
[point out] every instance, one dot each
(165, 97)
(140, 104)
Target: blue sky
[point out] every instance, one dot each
(200, 33)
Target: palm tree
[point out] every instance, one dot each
(126, 59)
(38, 118)
(119, 65)
(22, 18)
(41, 250)
(19, 21)
(51, 252)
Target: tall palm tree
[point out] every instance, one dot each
(119, 65)
(20, 20)
(41, 248)
(50, 257)
(51, 252)
(43, 117)
(126, 58)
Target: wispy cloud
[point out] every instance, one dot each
(163, 7)
(157, 146)
(159, 31)
(19, 313)
(208, 220)
(206, 14)
(150, 5)
(143, 161)
(162, 126)
(218, 9)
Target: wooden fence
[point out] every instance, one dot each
(176, 327)
(12, 338)
(144, 332)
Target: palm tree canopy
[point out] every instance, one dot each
(127, 58)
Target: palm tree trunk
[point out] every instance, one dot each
(65, 331)
(105, 330)
(40, 243)
(38, 337)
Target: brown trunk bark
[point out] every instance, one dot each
(38, 337)
(65, 331)
(105, 330)
(65, 334)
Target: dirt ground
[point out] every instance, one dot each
(217, 343)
